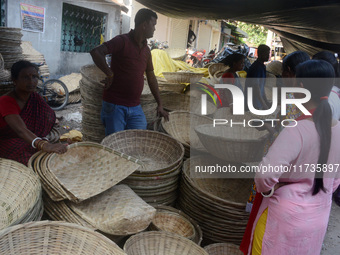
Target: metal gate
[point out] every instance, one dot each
(82, 28)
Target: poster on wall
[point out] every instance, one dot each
(32, 17)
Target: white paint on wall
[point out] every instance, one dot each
(49, 42)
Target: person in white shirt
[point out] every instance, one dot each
(334, 96)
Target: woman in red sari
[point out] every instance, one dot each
(25, 118)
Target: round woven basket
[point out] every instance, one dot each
(182, 77)
(175, 52)
(226, 113)
(157, 152)
(91, 90)
(181, 102)
(20, 194)
(181, 126)
(223, 249)
(213, 68)
(198, 231)
(171, 87)
(173, 223)
(161, 243)
(216, 204)
(48, 237)
(233, 144)
(275, 67)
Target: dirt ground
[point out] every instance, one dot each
(70, 118)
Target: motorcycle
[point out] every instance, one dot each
(195, 57)
(211, 55)
(155, 44)
(227, 50)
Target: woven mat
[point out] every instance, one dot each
(71, 81)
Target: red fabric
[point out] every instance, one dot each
(128, 63)
(8, 106)
(302, 117)
(229, 77)
(39, 118)
(247, 234)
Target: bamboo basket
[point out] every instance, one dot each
(182, 77)
(20, 194)
(233, 144)
(91, 90)
(213, 68)
(47, 237)
(223, 249)
(171, 87)
(157, 152)
(181, 126)
(173, 223)
(161, 243)
(198, 231)
(216, 204)
(181, 102)
(274, 67)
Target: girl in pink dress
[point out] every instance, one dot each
(294, 213)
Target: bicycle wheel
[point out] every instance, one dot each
(55, 93)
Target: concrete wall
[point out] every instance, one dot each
(48, 43)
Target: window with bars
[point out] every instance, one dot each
(3, 13)
(82, 28)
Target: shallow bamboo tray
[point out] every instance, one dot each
(233, 144)
(48, 237)
(20, 193)
(161, 243)
(157, 152)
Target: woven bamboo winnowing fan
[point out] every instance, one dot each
(88, 169)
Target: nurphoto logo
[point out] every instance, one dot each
(239, 104)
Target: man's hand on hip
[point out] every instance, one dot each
(107, 82)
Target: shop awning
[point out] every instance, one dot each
(304, 24)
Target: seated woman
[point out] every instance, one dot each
(25, 118)
(236, 63)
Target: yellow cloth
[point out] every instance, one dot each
(259, 233)
(162, 62)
